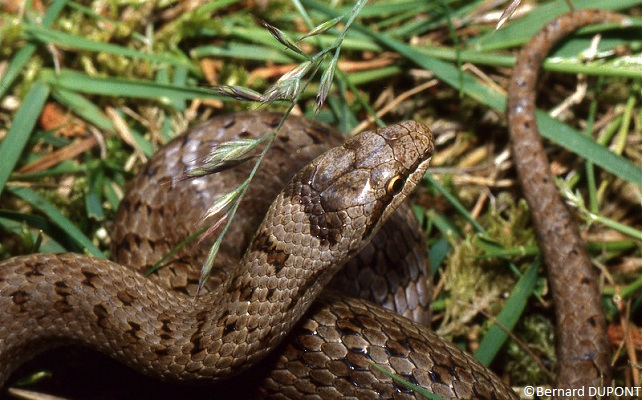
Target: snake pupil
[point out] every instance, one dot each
(395, 184)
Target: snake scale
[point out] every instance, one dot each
(325, 215)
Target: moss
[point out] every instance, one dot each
(536, 332)
(474, 281)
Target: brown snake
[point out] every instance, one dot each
(325, 215)
(582, 344)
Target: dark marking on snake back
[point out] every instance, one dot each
(125, 298)
(349, 326)
(324, 224)
(62, 306)
(272, 121)
(125, 246)
(435, 376)
(101, 316)
(298, 344)
(90, 278)
(197, 337)
(274, 256)
(358, 350)
(452, 369)
(317, 135)
(236, 283)
(63, 291)
(229, 328)
(410, 378)
(135, 328)
(181, 289)
(192, 281)
(35, 270)
(246, 292)
(19, 297)
(396, 348)
(165, 328)
(353, 366)
(197, 345)
(184, 140)
(270, 293)
(229, 123)
(151, 171)
(162, 352)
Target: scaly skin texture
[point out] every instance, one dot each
(582, 344)
(148, 224)
(50, 299)
(330, 210)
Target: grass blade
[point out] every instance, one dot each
(22, 56)
(468, 85)
(119, 87)
(14, 143)
(508, 317)
(48, 36)
(520, 30)
(54, 215)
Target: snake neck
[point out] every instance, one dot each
(316, 224)
(289, 261)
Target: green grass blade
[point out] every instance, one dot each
(75, 42)
(84, 108)
(595, 68)
(418, 389)
(508, 317)
(15, 67)
(22, 56)
(452, 200)
(119, 87)
(439, 250)
(93, 195)
(468, 85)
(13, 144)
(16, 223)
(521, 30)
(57, 218)
(53, 12)
(242, 51)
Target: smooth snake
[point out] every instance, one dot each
(51, 299)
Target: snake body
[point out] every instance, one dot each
(327, 212)
(149, 225)
(582, 344)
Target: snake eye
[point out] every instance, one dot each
(395, 184)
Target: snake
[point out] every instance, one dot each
(582, 344)
(267, 307)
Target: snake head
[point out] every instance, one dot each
(350, 190)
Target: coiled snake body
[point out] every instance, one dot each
(329, 211)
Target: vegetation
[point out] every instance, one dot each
(89, 90)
